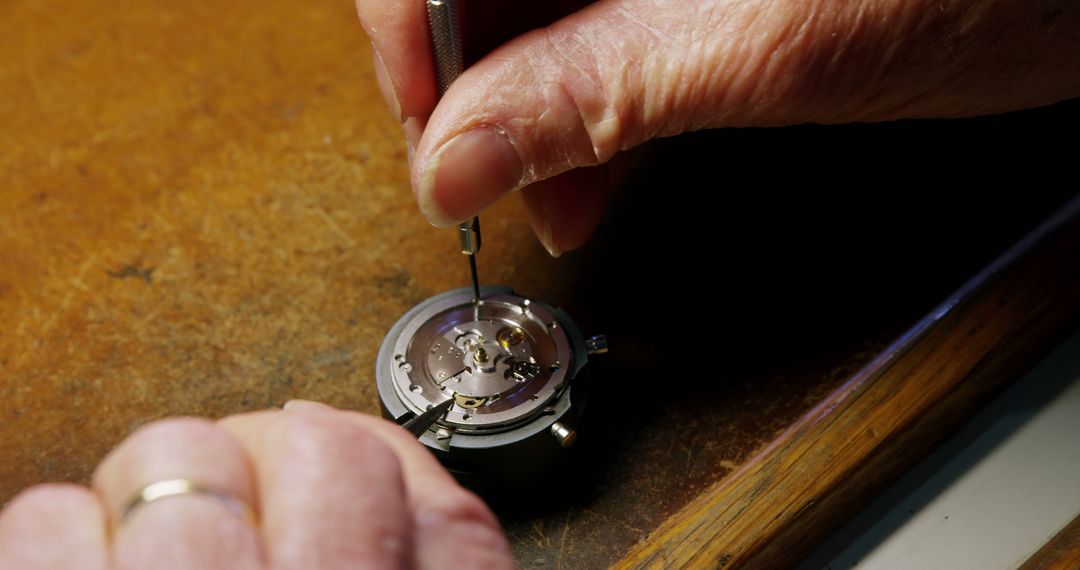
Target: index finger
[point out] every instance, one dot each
(398, 31)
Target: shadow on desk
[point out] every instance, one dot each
(742, 275)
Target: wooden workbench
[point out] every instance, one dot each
(206, 210)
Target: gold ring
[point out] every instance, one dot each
(175, 487)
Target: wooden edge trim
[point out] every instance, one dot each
(810, 479)
(1062, 552)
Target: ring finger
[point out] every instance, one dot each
(192, 515)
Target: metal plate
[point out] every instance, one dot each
(503, 361)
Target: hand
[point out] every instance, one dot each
(544, 109)
(331, 489)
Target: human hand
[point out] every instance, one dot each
(543, 110)
(331, 489)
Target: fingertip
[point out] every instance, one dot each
(537, 215)
(429, 204)
(468, 173)
(565, 211)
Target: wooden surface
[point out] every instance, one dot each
(778, 505)
(1062, 552)
(206, 211)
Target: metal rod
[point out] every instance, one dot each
(449, 64)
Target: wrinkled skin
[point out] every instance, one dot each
(332, 489)
(543, 110)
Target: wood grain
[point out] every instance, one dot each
(1062, 552)
(776, 507)
(206, 211)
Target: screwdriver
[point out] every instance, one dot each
(446, 44)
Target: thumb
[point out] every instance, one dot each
(573, 94)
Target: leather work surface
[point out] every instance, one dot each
(206, 211)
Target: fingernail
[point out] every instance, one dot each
(414, 129)
(304, 406)
(547, 239)
(468, 173)
(386, 86)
